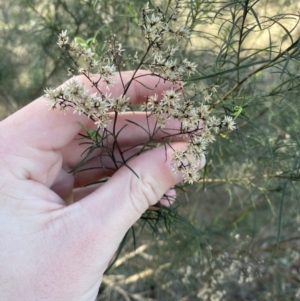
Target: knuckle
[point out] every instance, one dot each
(144, 192)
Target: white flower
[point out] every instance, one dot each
(229, 122)
(212, 121)
(189, 66)
(207, 97)
(88, 53)
(62, 39)
(120, 104)
(203, 111)
(171, 50)
(81, 70)
(181, 32)
(63, 34)
(146, 9)
(159, 59)
(171, 96)
(214, 88)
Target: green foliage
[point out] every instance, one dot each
(245, 209)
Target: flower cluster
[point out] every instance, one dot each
(156, 24)
(196, 122)
(195, 116)
(159, 29)
(94, 105)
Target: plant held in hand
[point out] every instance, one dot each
(194, 113)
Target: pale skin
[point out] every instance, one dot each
(57, 237)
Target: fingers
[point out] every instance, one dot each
(134, 129)
(122, 200)
(145, 83)
(43, 129)
(167, 200)
(36, 133)
(100, 166)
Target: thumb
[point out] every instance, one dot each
(121, 201)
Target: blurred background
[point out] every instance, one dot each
(237, 232)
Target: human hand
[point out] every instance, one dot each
(57, 236)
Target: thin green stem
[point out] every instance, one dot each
(263, 67)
